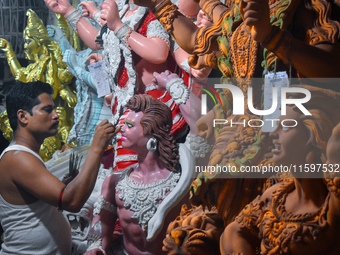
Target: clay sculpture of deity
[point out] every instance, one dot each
(299, 214)
(146, 195)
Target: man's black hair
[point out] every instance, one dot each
(24, 96)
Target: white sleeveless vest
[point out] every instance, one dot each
(37, 228)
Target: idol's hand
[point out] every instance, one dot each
(55, 33)
(161, 79)
(148, 3)
(59, 6)
(5, 46)
(255, 14)
(110, 14)
(89, 9)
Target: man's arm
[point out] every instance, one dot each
(30, 174)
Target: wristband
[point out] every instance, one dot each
(178, 91)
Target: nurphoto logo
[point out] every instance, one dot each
(238, 105)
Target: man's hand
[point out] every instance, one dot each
(255, 14)
(103, 135)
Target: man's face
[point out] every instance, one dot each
(44, 120)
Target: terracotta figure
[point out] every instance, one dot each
(300, 214)
(249, 39)
(148, 193)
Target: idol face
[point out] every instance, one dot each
(132, 132)
(290, 143)
(32, 48)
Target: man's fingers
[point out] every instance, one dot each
(109, 127)
(117, 129)
(103, 122)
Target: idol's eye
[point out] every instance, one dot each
(288, 124)
(128, 124)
